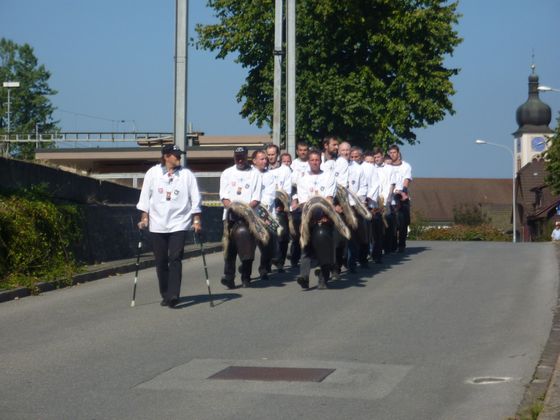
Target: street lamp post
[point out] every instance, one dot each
(547, 89)
(511, 151)
(9, 86)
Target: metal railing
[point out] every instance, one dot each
(86, 137)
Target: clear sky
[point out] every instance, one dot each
(113, 60)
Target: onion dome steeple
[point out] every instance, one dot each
(534, 115)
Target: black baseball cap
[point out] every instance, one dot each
(172, 149)
(240, 150)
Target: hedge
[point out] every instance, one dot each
(35, 239)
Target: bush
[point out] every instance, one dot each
(470, 215)
(35, 238)
(483, 232)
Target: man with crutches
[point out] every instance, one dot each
(170, 205)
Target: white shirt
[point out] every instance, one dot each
(555, 234)
(374, 186)
(339, 169)
(310, 184)
(268, 188)
(283, 179)
(401, 172)
(356, 181)
(385, 176)
(169, 198)
(299, 167)
(240, 185)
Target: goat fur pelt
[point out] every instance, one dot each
(360, 207)
(285, 200)
(321, 204)
(348, 215)
(256, 225)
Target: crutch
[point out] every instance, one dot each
(137, 267)
(195, 235)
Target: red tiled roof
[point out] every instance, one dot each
(435, 198)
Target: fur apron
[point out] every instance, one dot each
(256, 225)
(319, 203)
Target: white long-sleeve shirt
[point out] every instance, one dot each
(357, 182)
(169, 198)
(240, 185)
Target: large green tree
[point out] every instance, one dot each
(553, 160)
(30, 106)
(371, 71)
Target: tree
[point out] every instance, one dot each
(30, 105)
(470, 215)
(552, 162)
(370, 71)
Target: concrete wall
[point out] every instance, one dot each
(16, 174)
(109, 229)
(110, 232)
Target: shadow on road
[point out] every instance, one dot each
(218, 298)
(347, 279)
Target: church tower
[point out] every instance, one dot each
(533, 118)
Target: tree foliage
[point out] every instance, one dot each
(35, 238)
(553, 160)
(30, 103)
(370, 71)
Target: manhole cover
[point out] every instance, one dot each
(254, 373)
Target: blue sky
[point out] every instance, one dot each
(113, 60)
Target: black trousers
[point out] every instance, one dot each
(295, 249)
(267, 252)
(403, 220)
(378, 233)
(168, 252)
(247, 255)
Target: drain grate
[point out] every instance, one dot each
(255, 373)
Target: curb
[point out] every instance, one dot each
(543, 388)
(100, 271)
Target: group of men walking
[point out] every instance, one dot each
(337, 206)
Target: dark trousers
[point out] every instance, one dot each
(378, 230)
(403, 220)
(390, 239)
(246, 255)
(267, 252)
(168, 252)
(295, 249)
(358, 244)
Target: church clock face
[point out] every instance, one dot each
(538, 144)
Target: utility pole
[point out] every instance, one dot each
(277, 111)
(181, 56)
(291, 78)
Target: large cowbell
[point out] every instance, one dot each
(323, 244)
(244, 241)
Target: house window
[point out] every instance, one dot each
(538, 198)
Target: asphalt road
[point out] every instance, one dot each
(446, 331)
